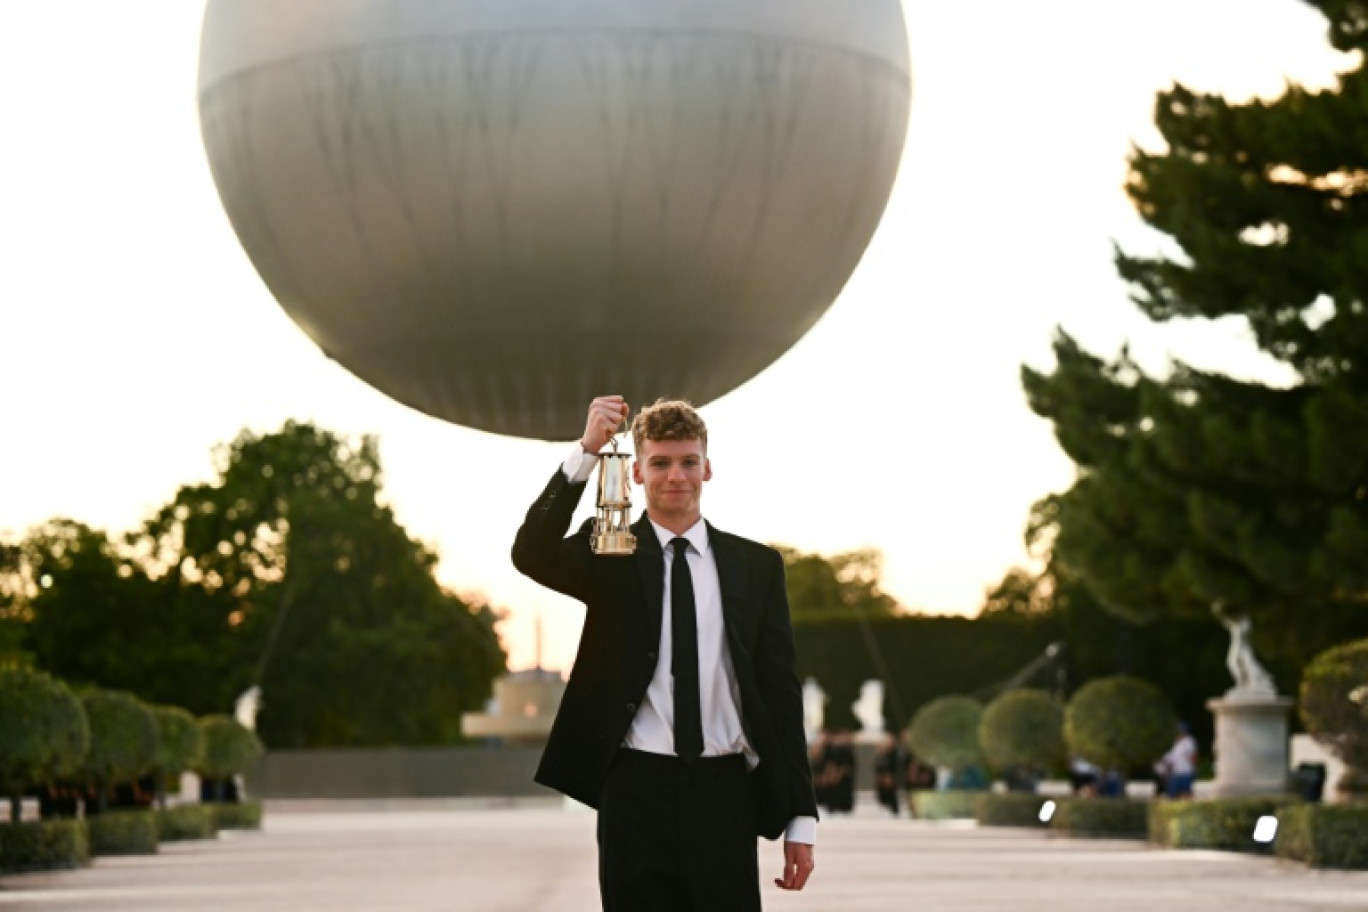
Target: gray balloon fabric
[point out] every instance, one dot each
(493, 212)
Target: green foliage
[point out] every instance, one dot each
(925, 657)
(1023, 728)
(1324, 835)
(185, 821)
(123, 740)
(841, 586)
(123, 833)
(1334, 702)
(1118, 722)
(289, 552)
(1193, 487)
(229, 747)
(951, 804)
(1216, 823)
(1101, 817)
(181, 743)
(944, 732)
(43, 845)
(43, 729)
(1008, 809)
(139, 628)
(240, 815)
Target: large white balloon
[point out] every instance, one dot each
(493, 210)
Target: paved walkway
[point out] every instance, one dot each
(454, 857)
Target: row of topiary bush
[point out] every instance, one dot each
(72, 747)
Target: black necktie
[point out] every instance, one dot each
(688, 718)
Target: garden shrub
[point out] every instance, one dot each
(1334, 708)
(43, 845)
(1023, 729)
(944, 732)
(123, 741)
(1009, 809)
(229, 747)
(1118, 723)
(951, 804)
(1101, 817)
(43, 731)
(185, 821)
(1324, 835)
(1214, 823)
(181, 741)
(239, 815)
(123, 833)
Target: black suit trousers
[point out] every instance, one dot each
(676, 837)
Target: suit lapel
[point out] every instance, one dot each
(731, 579)
(650, 561)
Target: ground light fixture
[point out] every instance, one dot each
(1265, 828)
(1046, 811)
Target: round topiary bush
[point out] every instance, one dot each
(43, 731)
(1023, 728)
(944, 732)
(181, 743)
(1334, 707)
(1119, 722)
(123, 740)
(229, 748)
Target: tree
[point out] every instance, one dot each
(43, 732)
(1118, 723)
(94, 616)
(944, 732)
(335, 610)
(841, 586)
(1196, 488)
(123, 741)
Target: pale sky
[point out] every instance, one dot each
(135, 334)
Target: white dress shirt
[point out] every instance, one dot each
(652, 729)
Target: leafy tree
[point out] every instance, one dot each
(229, 749)
(180, 746)
(1195, 488)
(349, 634)
(841, 586)
(1334, 707)
(1023, 728)
(95, 617)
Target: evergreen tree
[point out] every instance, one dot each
(1196, 489)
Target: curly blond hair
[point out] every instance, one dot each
(668, 419)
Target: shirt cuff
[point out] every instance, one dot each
(579, 465)
(802, 829)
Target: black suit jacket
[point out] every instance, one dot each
(618, 653)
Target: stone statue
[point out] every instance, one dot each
(869, 709)
(247, 707)
(814, 709)
(1251, 678)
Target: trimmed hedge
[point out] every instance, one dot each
(185, 821)
(1217, 823)
(229, 747)
(1334, 708)
(1324, 835)
(951, 804)
(123, 833)
(43, 730)
(1121, 818)
(44, 845)
(182, 740)
(242, 815)
(124, 740)
(1023, 728)
(1009, 809)
(944, 732)
(1119, 722)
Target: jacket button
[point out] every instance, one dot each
(651, 655)
(631, 707)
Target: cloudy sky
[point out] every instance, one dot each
(135, 334)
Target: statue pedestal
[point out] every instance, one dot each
(1251, 743)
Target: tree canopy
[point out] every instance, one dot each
(1196, 488)
(286, 570)
(843, 585)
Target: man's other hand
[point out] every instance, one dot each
(798, 865)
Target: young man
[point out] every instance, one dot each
(682, 722)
